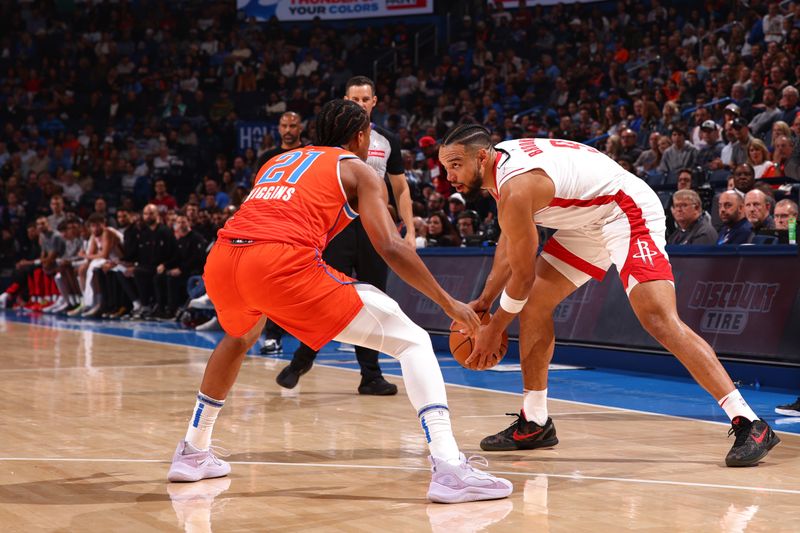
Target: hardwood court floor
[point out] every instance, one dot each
(88, 423)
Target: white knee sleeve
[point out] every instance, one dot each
(382, 325)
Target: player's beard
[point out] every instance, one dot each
(473, 191)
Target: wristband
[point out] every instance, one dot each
(510, 305)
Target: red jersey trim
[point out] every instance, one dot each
(557, 250)
(496, 193)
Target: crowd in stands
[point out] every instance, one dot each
(118, 153)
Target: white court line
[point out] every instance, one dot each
(576, 477)
(470, 387)
(100, 367)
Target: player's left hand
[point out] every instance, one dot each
(486, 344)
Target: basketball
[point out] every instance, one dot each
(461, 344)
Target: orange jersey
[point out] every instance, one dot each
(297, 198)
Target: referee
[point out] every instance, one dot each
(352, 253)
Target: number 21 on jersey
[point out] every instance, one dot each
(284, 162)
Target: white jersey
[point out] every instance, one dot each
(591, 189)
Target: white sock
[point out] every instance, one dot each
(201, 424)
(435, 420)
(734, 405)
(137, 306)
(534, 406)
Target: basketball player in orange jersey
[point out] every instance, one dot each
(603, 215)
(267, 262)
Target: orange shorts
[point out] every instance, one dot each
(290, 284)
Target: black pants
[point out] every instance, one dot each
(352, 253)
(127, 285)
(112, 295)
(143, 278)
(170, 291)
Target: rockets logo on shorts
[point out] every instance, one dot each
(645, 253)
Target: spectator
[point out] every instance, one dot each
(692, 226)
(649, 159)
(788, 103)
(784, 210)
(456, 206)
(441, 232)
(742, 139)
(630, 151)
(29, 254)
(736, 229)
(709, 157)
(421, 232)
(783, 162)
(680, 155)
(290, 129)
(172, 275)
(436, 173)
(758, 157)
(757, 208)
(162, 196)
(769, 113)
(468, 223)
(156, 246)
(613, 147)
(57, 214)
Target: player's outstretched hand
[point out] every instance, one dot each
(463, 314)
(485, 345)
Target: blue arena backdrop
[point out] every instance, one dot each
(249, 133)
(747, 306)
(300, 10)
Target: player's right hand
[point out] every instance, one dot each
(465, 316)
(478, 306)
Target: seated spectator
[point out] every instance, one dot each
(680, 155)
(66, 280)
(784, 210)
(630, 150)
(421, 232)
(736, 229)
(613, 147)
(468, 223)
(741, 141)
(709, 157)
(57, 214)
(757, 208)
(441, 232)
(761, 124)
(784, 162)
(162, 196)
(758, 157)
(649, 159)
(172, 275)
(692, 227)
(456, 206)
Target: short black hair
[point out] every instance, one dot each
(339, 121)
(358, 81)
(468, 135)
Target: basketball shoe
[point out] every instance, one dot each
(464, 483)
(190, 464)
(290, 375)
(521, 435)
(753, 441)
(790, 409)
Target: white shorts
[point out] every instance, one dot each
(632, 238)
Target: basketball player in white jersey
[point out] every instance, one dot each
(603, 215)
